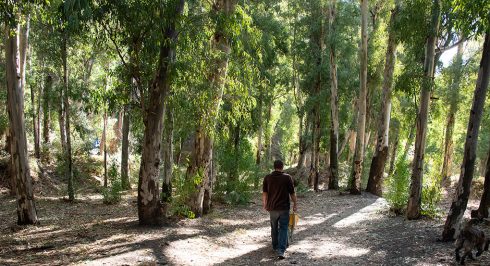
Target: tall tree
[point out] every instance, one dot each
(125, 149)
(149, 207)
(26, 209)
(462, 192)
(453, 96)
(414, 201)
(355, 182)
(199, 166)
(334, 101)
(380, 157)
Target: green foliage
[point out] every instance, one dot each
(301, 189)
(184, 189)
(112, 194)
(397, 186)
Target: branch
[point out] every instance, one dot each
(449, 47)
(119, 53)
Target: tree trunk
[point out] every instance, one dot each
(453, 107)
(26, 210)
(66, 114)
(380, 157)
(203, 142)
(125, 150)
(355, 182)
(149, 208)
(482, 211)
(104, 146)
(394, 151)
(46, 108)
(260, 133)
(334, 101)
(208, 189)
(414, 201)
(462, 192)
(198, 170)
(168, 155)
(302, 142)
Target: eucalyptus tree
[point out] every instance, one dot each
(380, 157)
(355, 182)
(333, 182)
(453, 99)
(414, 201)
(199, 165)
(474, 16)
(14, 14)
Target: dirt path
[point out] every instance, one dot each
(334, 230)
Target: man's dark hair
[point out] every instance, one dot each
(278, 164)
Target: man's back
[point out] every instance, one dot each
(278, 186)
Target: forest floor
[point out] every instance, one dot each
(334, 230)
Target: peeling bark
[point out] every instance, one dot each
(355, 182)
(149, 207)
(380, 157)
(333, 182)
(125, 150)
(26, 209)
(414, 201)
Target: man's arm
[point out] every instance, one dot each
(295, 201)
(264, 201)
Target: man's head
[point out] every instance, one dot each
(278, 165)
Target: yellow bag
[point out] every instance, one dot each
(293, 220)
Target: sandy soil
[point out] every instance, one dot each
(333, 230)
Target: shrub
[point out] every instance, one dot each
(184, 189)
(397, 186)
(112, 194)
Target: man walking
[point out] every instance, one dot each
(277, 190)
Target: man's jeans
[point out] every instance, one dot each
(279, 230)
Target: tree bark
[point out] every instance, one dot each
(302, 142)
(482, 211)
(125, 150)
(26, 209)
(168, 155)
(355, 182)
(414, 201)
(149, 207)
(66, 114)
(260, 133)
(198, 169)
(453, 107)
(333, 182)
(46, 109)
(462, 192)
(104, 146)
(380, 157)
(394, 151)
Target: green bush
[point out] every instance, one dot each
(397, 186)
(432, 191)
(183, 190)
(301, 189)
(112, 194)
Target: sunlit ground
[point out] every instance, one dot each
(333, 230)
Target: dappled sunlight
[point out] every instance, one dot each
(315, 219)
(317, 248)
(233, 222)
(363, 215)
(131, 257)
(217, 249)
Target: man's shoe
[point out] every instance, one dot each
(281, 256)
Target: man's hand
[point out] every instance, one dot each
(264, 201)
(295, 202)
